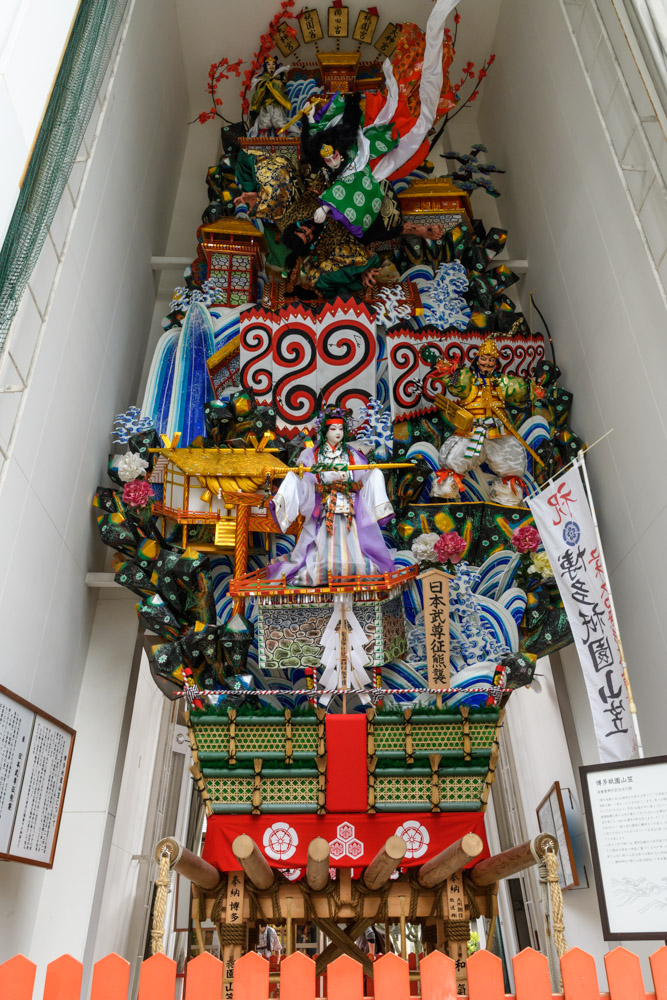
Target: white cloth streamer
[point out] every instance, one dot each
(357, 658)
(429, 93)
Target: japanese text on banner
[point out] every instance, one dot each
(565, 522)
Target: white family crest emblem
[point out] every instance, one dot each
(415, 836)
(280, 841)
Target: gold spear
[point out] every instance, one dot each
(306, 109)
(300, 469)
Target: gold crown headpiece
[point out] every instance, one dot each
(326, 150)
(488, 347)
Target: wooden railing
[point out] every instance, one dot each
(345, 980)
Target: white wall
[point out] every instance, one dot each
(80, 339)
(568, 212)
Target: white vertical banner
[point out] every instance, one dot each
(565, 522)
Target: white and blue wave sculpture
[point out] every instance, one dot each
(178, 383)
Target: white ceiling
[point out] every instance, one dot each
(211, 29)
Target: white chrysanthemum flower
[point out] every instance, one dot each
(131, 467)
(540, 564)
(422, 547)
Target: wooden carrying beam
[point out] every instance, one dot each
(317, 866)
(385, 863)
(451, 860)
(253, 862)
(192, 867)
(510, 862)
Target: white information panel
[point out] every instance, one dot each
(16, 722)
(35, 751)
(626, 813)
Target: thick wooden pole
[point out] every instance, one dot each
(241, 550)
(192, 867)
(451, 860)
(317, 866)
(253, 862)
(510, 862)
(385, 863)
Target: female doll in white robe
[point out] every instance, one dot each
(342, 512)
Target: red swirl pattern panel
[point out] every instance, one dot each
(256, 347)
(297, 359)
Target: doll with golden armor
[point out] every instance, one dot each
(483, 429)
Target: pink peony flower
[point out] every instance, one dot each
(138, 493)
(450, 547)
(526, 538)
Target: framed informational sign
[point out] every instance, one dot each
(626, 814)
(36, 751)
(182, 901)
(552, 818)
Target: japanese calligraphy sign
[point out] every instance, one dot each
(235, 894)
(365, 27)
(294, 356)
(35, 751)
(338, 21)
(564, 520)
(457, 950)
(626, 813)
(435, 587)
(388, 40)
(233, 915)
(311, 29)
(285, 38)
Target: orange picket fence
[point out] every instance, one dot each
(345, 979)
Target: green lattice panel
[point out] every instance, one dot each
(461, 787)
(229, 789)
(482, 735)
(289, 790)
(211, 738)
(437, 737)
(304, 739)
(271, 739)
(402, 789)
(260, 739)
(390, 737)
(256, 739)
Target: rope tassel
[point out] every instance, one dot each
(551, 862)
(160, 905)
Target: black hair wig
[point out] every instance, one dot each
(342, 136)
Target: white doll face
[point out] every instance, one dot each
(333, 162)
(334, 434)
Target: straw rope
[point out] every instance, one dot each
(160, 905)
(551, 862)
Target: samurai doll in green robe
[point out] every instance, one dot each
(347, 154)
(336, 143)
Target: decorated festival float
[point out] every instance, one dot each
(321, 503)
